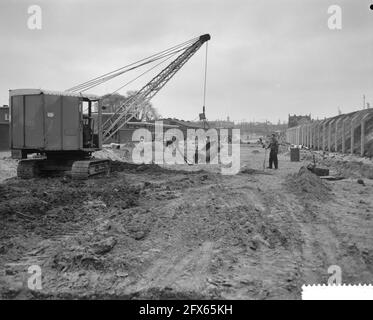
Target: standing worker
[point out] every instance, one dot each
(273, 145)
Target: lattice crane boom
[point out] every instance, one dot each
(128, 109)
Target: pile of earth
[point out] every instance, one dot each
(120, 166)
(47, 206)
(133, 168)
(306, 183)
(247, 170)
(350, 169)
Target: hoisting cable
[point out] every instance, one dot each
(100, 81)
(144, 61)
(145, 72)
(97, 82)
(205, 89)
(156, 56)
(120, 88)
(205, 80)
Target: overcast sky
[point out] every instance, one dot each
(267, 58)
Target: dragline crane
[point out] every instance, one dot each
(65, 127)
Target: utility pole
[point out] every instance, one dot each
(363, 101)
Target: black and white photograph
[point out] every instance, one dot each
(195, 150)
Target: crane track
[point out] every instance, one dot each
(28, 168)
(84, 169)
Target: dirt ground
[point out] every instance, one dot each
(8, 167)
(151, 232)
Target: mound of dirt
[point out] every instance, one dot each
(247, 170)
(308, 184)
(53, 206)
(351, 169)
(120, 166)
(133, 168)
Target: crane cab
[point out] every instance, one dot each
(50, 121)
(61, 127)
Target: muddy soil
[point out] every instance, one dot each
(184, 233)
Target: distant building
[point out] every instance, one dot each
(259, 129)
(125, 134)
(4, 114)
(182, 125)
(221, 124)
(4, 127)
(216, 124)
(298, 120)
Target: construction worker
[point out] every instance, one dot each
(273, 145)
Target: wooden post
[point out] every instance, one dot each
(352, 132)
(344, 134)
(363, 137)
(316, 144)
(336, 134)
(319, 135)
(298, 135)
(330, 135)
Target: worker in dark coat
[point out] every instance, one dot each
(273, 146)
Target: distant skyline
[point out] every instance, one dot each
(267, 59)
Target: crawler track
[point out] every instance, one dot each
(87, 168)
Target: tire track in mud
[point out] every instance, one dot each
(277, 267)
(349, 217)
(201, 244)
(312, 245)
(324, 226)
(250, 267)
(250, 271)
(180, 265)
(182, 273)
(315, 243)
